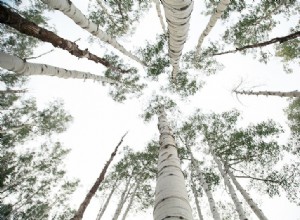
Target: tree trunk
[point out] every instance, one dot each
(13, 91)
(102, 210)
(263, 44)
(171, 198)
(131, 200)
(79, 214)
(29, 28)
(232, 193)
(157, 5)
(70, 10)
(20, 66)
(247, 197)
(212, 21)
(178, 15)
(193, 186)
(292, 94)
(122, 199)
(211, 201)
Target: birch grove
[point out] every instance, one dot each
(171, 198)
(178, 16)
(212, 21)
(70, 10)
(19, 66)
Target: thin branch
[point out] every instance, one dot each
(30, 58)
(262, 44)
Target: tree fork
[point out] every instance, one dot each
(79, 214)
(29, 28)
(262, 44)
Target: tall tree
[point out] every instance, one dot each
(171, 199)
(291, 94)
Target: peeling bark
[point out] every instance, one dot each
(292, 94)
(262, 44)
(79, 214)
(29, 28)
(70, 10)
(212, 21)
(171, 198)
(20, 66)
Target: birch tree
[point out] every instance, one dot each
(177, 16)
(212, 21)
(161, 20)
(16, 21)
(70, 10)
(171, 199)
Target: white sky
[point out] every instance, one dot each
(100, 122)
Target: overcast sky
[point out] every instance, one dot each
(99, 122)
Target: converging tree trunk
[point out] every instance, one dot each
(19, 66)
(171, 198)
(291, 94)
(102, 210)
(263, 44)
(193, 186)
(237, 203)
(79, 214)
(211, 201)
(162, 23)
(70, 10)
(212, 21)
(178, 15)
(137, 185)
(122, 200)
(29, 28)
(246, 196)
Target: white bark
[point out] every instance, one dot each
(247, 197)
(171, 198)
(232, 193)
(211, 201)
(122, 200)
(212, 21)
(178, 15)
(196, 196)
(17, 65)
(102, 210)
(131, 200)
(70, 10)
(157, 5)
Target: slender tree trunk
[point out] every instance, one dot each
(212, 21)
(162, 23)
(29, 28)
(247, 197)
(13, 91)
(102, 210)
(122, 200)
(171, 198)
(131, 200)
(70, 10)
(211, 201)
(178, 15)
(232, 193)
(193, 186)
(263, 44)
(79, 214)
(291, 94)
(17, 65)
